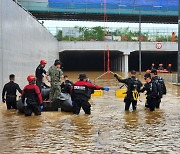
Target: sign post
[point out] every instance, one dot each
(140, 53)
(179, 45)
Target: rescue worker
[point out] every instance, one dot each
(169, 68)
(133, 87)
(39, 73)
(151, 89)
(161, 68)
(31, 97)
(66, 85)
(10, 90)
(55, 74)
(148, 71)
(152, 66)
(160, 87)
(81, 92)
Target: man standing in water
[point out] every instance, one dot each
(81, 93)
(10, 91)
(151, 89)
(39, 73)
(31, 97)
(55, 74)
(133, 87)
(160, 87)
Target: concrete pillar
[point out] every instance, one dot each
(125, 66)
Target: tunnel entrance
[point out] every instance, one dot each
(156, 57)
(85, 60)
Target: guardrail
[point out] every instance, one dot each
(171, 78)
(154, 34)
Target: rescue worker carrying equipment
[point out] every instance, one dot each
(31, 97)
(133, 87)
(39, 73)
(151, 89)
(161, 88)
(81, 92)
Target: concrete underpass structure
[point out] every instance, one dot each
(123, 55)
(23, 43)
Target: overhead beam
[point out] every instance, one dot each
(100, 17)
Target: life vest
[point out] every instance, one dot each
(133, 88)
(81, 92)
(31, 95)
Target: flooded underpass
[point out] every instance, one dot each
(109, 129)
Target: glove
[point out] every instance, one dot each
(41, 107)
(106, 88)
(3, 100)
(115, 75)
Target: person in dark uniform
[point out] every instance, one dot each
(133, 87)
(31, 97)
(161, 88)
(161, 68)
(151, 89)
(39, 73)
(66, 85)
(81, 92)
(152, 67)
(10, 90)
(169, 68)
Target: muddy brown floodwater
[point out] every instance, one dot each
(109, 129)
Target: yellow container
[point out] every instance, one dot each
(121, 93)
(97, 93)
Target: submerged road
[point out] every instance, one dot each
(109, 129)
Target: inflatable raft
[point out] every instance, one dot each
(64, 103)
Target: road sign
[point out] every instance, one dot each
(158, 45)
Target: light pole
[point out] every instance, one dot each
(140, 41)
(179, 44)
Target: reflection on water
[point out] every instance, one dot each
(108, 130)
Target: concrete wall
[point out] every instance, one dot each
(23, 43)
(125, 47)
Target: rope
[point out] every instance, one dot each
(106, 48)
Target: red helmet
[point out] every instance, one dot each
(31, 78)
(148, 71)
(43, 62)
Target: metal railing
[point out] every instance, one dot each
(171, 78)
(153, 34)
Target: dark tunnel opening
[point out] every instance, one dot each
(149, 57)
(85, 60)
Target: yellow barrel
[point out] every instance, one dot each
(97, 93)
(121, 93)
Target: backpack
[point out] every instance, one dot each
(159, 89)
(162, 84)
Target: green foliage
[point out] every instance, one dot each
(160, 38)
(98, 34)
(59, 36)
